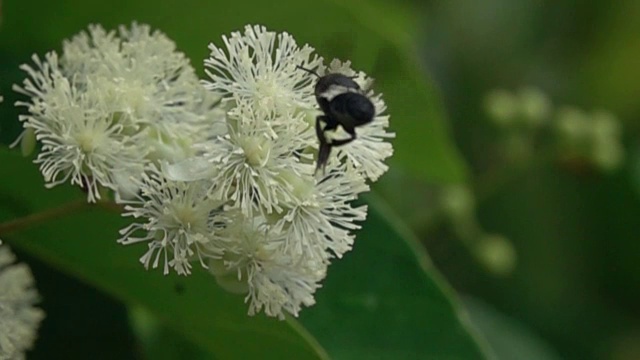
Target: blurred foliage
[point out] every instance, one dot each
(568, 227)
(573, 224)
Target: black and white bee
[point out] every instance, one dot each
(343, 104)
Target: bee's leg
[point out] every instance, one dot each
(325, 148)
(323, 123)
(320, 120)
(323, 157)
(351, 131)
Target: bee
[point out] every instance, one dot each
(343, 104)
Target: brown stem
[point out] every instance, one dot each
(110, 206)
(49, 214)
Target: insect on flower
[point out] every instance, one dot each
(344, 104)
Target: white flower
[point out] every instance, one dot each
(113, 102)
(251, 157)
(178, 220)
(161, 87)
(289, 223)
(244, 200)
(19, 319)
(276, 282)
(81, 139)
(371, 147)
(260, 66)
(319, 221)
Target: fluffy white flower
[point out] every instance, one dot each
(19, 319)
(276, 282)
(178, 220)
(248, 205)
(252, 156)
(318, 223)
(160, 84)
(81, 139)
(113, 102)
(260, 66)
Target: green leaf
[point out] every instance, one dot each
(83, 244)
(158, 342)
(385, 300)
(372, 35)
(507, 338)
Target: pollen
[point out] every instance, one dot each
(86, 141)
(256, 150)
(186, 216)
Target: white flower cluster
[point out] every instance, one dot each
(19, 319)
(231, 187)
(112, 103)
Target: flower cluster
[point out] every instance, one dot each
(112, 103)
(528, 107)
(19, 318)
(494, 252)
(580, 138)
(219, 173)
(595, 138)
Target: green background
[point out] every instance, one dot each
(574, 293)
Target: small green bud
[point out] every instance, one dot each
(228, 277)
(28, 142)
(607, 154)
(457, 201)
(605, 124)
(573, 123)
(497, 254)
(502, 107)
(217, 267)
(232, 283)
(535, 106)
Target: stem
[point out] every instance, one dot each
(49, 214)
(110, 206)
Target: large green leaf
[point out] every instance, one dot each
(385, 300)
(82, 243)
(507, 338)
(374, 36)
